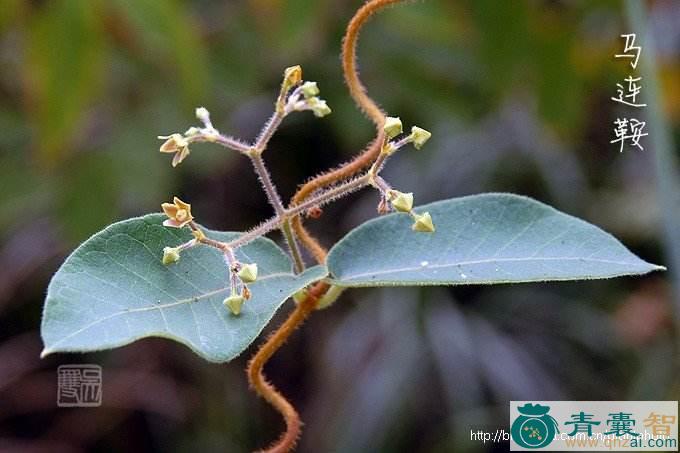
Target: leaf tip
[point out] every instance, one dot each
(45, 352)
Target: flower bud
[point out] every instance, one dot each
(170, 255)
(392, 126)
(402, 202)
(314, 212)
(248, 273)
(292, 76)
(203, 115)
(192, 131)
(419, 136)
(234, 303)
(423, 223)
(309, 89)
(319, 107)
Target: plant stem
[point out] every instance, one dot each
(293, 246)
(268, 130)
(260, 230)
(299, 203)
(259, 382)
(329, 195)
(224, 140)
(266, 180)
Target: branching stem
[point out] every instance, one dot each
(300, 203)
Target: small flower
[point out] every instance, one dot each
(423, 223)
(309, 89)
(419, 136)
(179, 213)
(319, 107)
(402, 202)
(248, 273)
(392, 126)
(292, 76)
(176, 144)
(170, 255)
(234, 303)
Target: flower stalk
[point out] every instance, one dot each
(297, 95)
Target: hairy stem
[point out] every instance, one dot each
(329, 195)
(293, 246)
(266, 390)
(224, 140)
(268, 130)
(288, 439)
(266, 180)
(289, 214)
(365, 104)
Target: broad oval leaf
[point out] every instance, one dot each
(480, 239)
(113, 290)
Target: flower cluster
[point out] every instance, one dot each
(295, 95)
(399, 201)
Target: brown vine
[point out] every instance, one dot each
(256, 378)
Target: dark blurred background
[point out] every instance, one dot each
(517, 94)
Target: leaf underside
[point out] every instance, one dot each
(114, 289)
(480, 239)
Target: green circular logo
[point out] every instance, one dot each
(533, 428)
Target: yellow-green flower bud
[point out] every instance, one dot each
(292, 76)
(248, 273)
(392, 126)
(309, 89)
(234, 303)
(170, 255)
(423, 223)
(402, 202)
(419, 136)
(319, 107)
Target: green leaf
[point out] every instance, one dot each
(480, 239)
(114, 290)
